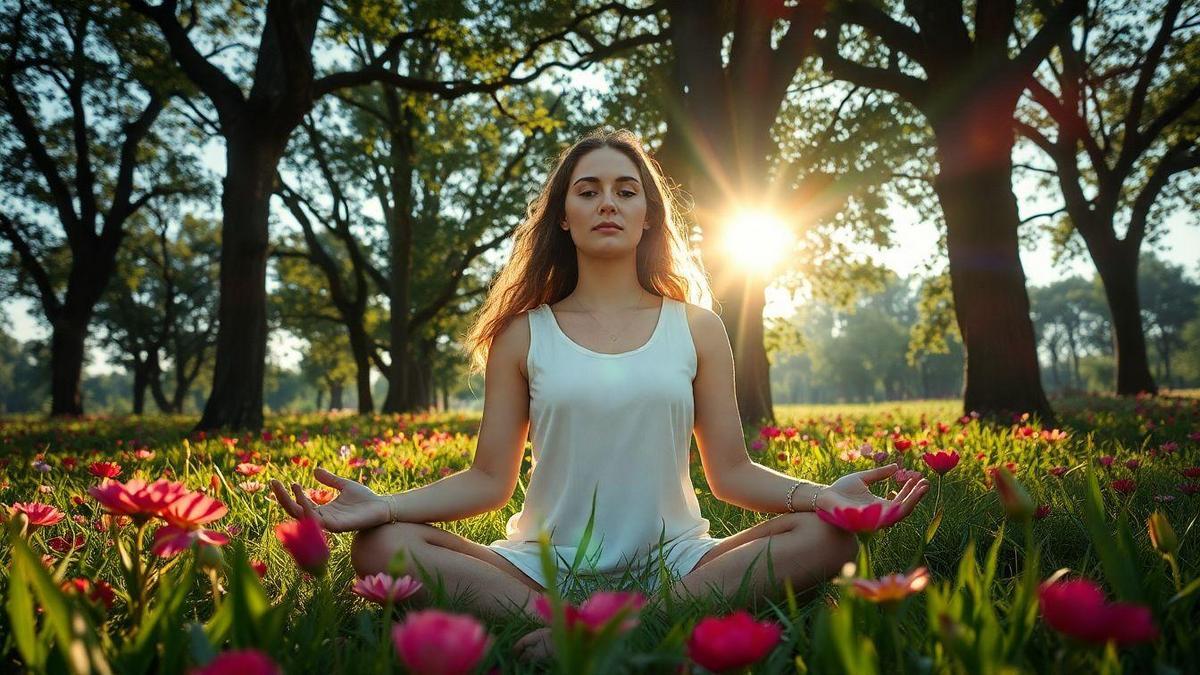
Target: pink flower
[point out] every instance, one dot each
(104, 469)
(305, 541)
(239, 662)
(1058, 471)
(136, 498)
(1077, 609)
(248, 469)
(941, 461)
(185, 516)
(97, 592)
(65, 544)
(380, 588)
(891, 588)
(863, 519)
(433, 642)
(259, 567)
(1106, 461)
(735, 641)
(597, 611)
(40, 515)
(320, 496)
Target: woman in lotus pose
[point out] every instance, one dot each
(589, 343)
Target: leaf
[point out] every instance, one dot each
(23, 622)
(1112, 544)
(1185, 591)
(934, 524)
(72, 629)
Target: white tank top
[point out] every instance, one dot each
(619, 425)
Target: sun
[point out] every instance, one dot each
(757, 240)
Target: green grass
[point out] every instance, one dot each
(967, 621)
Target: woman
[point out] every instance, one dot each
(588, 341)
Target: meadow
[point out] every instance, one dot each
(1056, 548)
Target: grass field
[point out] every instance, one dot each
(1097, 477)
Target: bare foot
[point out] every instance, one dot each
(535, 645)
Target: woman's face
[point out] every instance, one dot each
(606, 204)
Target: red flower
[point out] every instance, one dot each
(1106, 461)
(735, 641)
(1189, 488)
(434, 642)
(1042, 511)
(901, 444)
(65, 545)
(1058, 471)
(941, 461)
(1191, 472)
(241, 662)
(1077, 609)
(98, 591)
(305, 541)
(259, 567)
(862, 519)
(40, 515)
(1124, 485)
(320, 496)
(104, 469)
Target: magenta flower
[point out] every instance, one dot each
(241, 662)
(382, 588)
(433, 642)
(863, 519)
(305, 541)
(135, 498)
(595, 613)
(1077, 609)
(735, 641)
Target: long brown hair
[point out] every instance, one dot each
(543, 267)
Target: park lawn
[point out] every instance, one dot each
(979, 613)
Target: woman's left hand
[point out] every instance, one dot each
(853, 490)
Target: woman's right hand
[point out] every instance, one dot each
(356, 507)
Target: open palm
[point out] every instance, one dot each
(854, 490)
(357, 507)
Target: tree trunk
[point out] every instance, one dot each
(1119, 276)
(236, 400)
(320, 398)
(141, 379)
(360, 348)
(66, 365)
(336, 389)
(974, 187)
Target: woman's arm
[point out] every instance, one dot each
(733, 477)
(487, 485)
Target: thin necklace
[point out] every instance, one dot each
(612, 337)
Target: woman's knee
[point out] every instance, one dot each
(372, 550)
(839, 545)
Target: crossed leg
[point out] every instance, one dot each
(803, 548)
(488, 582)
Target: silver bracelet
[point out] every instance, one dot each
(813, 506)
(789, 497)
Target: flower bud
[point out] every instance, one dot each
(209, 557)
(1017, 502)
(1162, 535)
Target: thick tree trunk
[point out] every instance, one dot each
(66, 365)
(1119, 276)
(236, 400)
(974, 187)
(336, 390)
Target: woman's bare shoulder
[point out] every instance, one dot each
(705, 325)
(511, 344)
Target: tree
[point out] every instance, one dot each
(1169, 301)
(1120, 95)
(283, 87)
(966, 82)
(81, 89)
(159, 316)
(1067, 315)
(752, 125)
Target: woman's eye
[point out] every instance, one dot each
(587, 193)
(628, 193)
